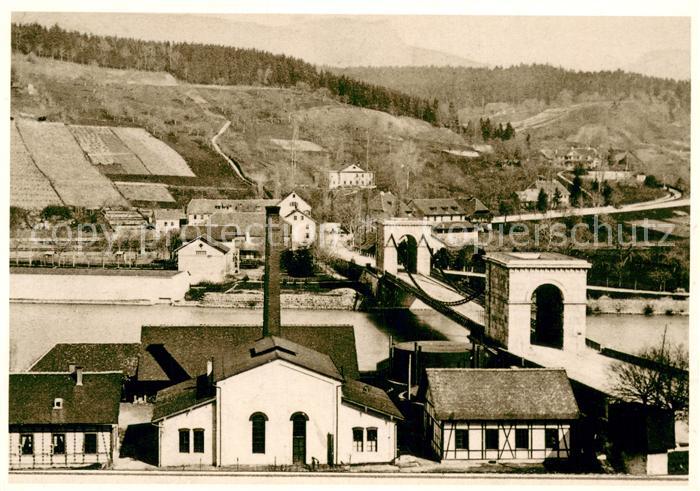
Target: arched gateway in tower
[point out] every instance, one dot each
(536, 298)
(390, 233)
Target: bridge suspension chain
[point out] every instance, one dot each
(467, 296)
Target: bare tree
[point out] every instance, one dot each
(662, 382)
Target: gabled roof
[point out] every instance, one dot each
(352, 168)
(388, 205)
(168, 214)
(178, 398)
(468, 394)
(473, 205)
(207, 240)
(549, 186)
(297, 210)
(271, 348)
(364, 395)
(32, 395)
(436, 206)
(182, 351)
(93, 357)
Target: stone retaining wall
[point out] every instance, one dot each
(340, 299)
(607, 305)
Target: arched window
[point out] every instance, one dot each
(547, 317)
(258, 431)
(299, 437)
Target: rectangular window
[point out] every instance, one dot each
(200, 253)
(462, 439)
(184, 435)
(27, 442)
(58, 443)
(551, 438)
(358, 439)
(371, 439)
(522, 438)
(90, 443)
(198, 440)
(491, 437)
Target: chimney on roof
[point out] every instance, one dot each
(273, 246)
(78, 376)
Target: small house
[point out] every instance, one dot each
(529, 195)
(293, 202)
(302, 226)
(498, 414)
(206, 260)
(437, 209)
(63, 419)
(167, 220)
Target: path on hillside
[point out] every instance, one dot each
(234, 165)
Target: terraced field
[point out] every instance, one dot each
(57, 154)
(29, 188)
(142, 191)
(105, 149)
(156, 156)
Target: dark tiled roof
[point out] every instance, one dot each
(436, 206)
(385, 205)
(93, 357)
(371, 397)
(269, 349)
(189, 347)
(473, 205)
(207, 240)
(501, 394)
(31, 398)
(179, 397)
(208, 206)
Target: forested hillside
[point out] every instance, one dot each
(517, 84)
(211, 64)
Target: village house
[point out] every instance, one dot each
(167, 220)
(529, 195)
(272, 401)
(475, 210)
(330, 233)
(205, 259)
(200, 210)
(521, 415)
(293, 202)
(352, 176)
(302, 231)
(437, 209)
(63, 419)
(582, 156)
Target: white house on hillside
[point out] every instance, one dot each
(352, 176)
(166, 220)
(274, 402)
(206, 260)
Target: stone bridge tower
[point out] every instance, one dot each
(536, 298)
(391, 232)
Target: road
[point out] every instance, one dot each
(672, 200)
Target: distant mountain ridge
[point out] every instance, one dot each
(337, 42)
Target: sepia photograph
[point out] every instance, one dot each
(348, 247)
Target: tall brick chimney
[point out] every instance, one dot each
(273, 248)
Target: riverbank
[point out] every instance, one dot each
(339, 299)
(636, 306)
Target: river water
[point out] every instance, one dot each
(35, 328)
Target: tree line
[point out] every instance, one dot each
(468, 86)
(213, 64)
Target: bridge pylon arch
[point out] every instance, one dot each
(389, 235)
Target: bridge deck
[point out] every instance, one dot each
(440, 291)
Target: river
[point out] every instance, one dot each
(35, 328)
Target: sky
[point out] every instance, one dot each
(582, 43)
